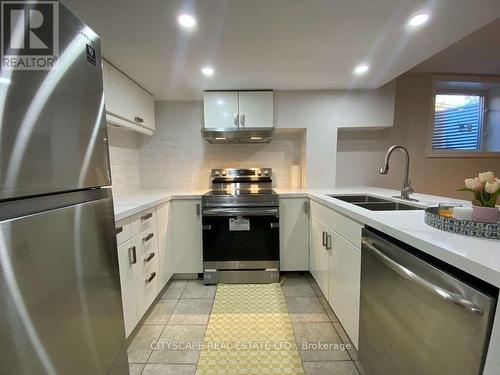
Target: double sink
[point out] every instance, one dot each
(375, 203)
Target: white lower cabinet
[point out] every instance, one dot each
(130, 273)
(335, 263)
(138, 259)
(294, 234)
(184, 236)
(344, 278)
(319, 254)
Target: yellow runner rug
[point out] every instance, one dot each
(249, 332)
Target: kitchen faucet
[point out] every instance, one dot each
(406, 188)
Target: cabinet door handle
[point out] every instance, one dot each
(235, 119)
(328, 242)
(148, 237)
(147, 216)
(138, 119)
(306, 207)
(150, 278)
(150, 256)
(132, 255)
(242, 119)
(198, 209)
(323, 241)
(118, 230)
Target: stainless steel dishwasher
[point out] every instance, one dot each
(419, 316)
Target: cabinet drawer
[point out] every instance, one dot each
(122, 230)
(320, 212)
(347, 228)
(129, 259)
(148, 242)
(142, 221)
(130, 274)
(147, 288)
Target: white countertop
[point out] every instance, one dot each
(479, 257)
(128, 204)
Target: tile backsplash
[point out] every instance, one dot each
(176, 156)
(124, 160)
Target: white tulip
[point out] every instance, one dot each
(486, 177)
(492, 187)
(473, 184)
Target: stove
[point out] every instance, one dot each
(241, 227)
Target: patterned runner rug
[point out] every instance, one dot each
(249, 332)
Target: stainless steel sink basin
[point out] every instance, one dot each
(375, 203)
(387, 206)
(359, 198)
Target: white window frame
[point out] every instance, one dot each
(432, 153)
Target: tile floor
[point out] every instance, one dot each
(182, 313)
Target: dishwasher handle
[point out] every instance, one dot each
(409, 275)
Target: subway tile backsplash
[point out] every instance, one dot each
(176, 156)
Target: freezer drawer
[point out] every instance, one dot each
(416, 318)
(52, 122)
(60, 292)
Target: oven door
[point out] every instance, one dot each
(237, 238)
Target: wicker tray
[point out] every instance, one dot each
(465, 227)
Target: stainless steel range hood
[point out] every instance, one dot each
(245, 135)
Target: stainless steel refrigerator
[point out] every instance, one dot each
(60, 302)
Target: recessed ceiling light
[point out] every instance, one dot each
(418, 19)
(361, 69)
(187, 21)
(208, 71)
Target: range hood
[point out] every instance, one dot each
(239, 135)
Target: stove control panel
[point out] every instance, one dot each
(242, 173)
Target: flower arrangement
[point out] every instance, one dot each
(485, 187)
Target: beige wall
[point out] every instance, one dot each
(361, 152)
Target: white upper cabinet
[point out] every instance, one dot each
(243, 109)
(256, 109)
(127, 104)
(221, 109)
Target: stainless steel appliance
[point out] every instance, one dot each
(419, 315)
(241, 227)
(61, 310)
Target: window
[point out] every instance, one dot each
(464, 118)
(458, 121)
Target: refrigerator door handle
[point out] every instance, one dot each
(413, 277)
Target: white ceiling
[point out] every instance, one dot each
(279, 44)
(477, 53)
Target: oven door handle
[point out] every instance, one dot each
(240, 211)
